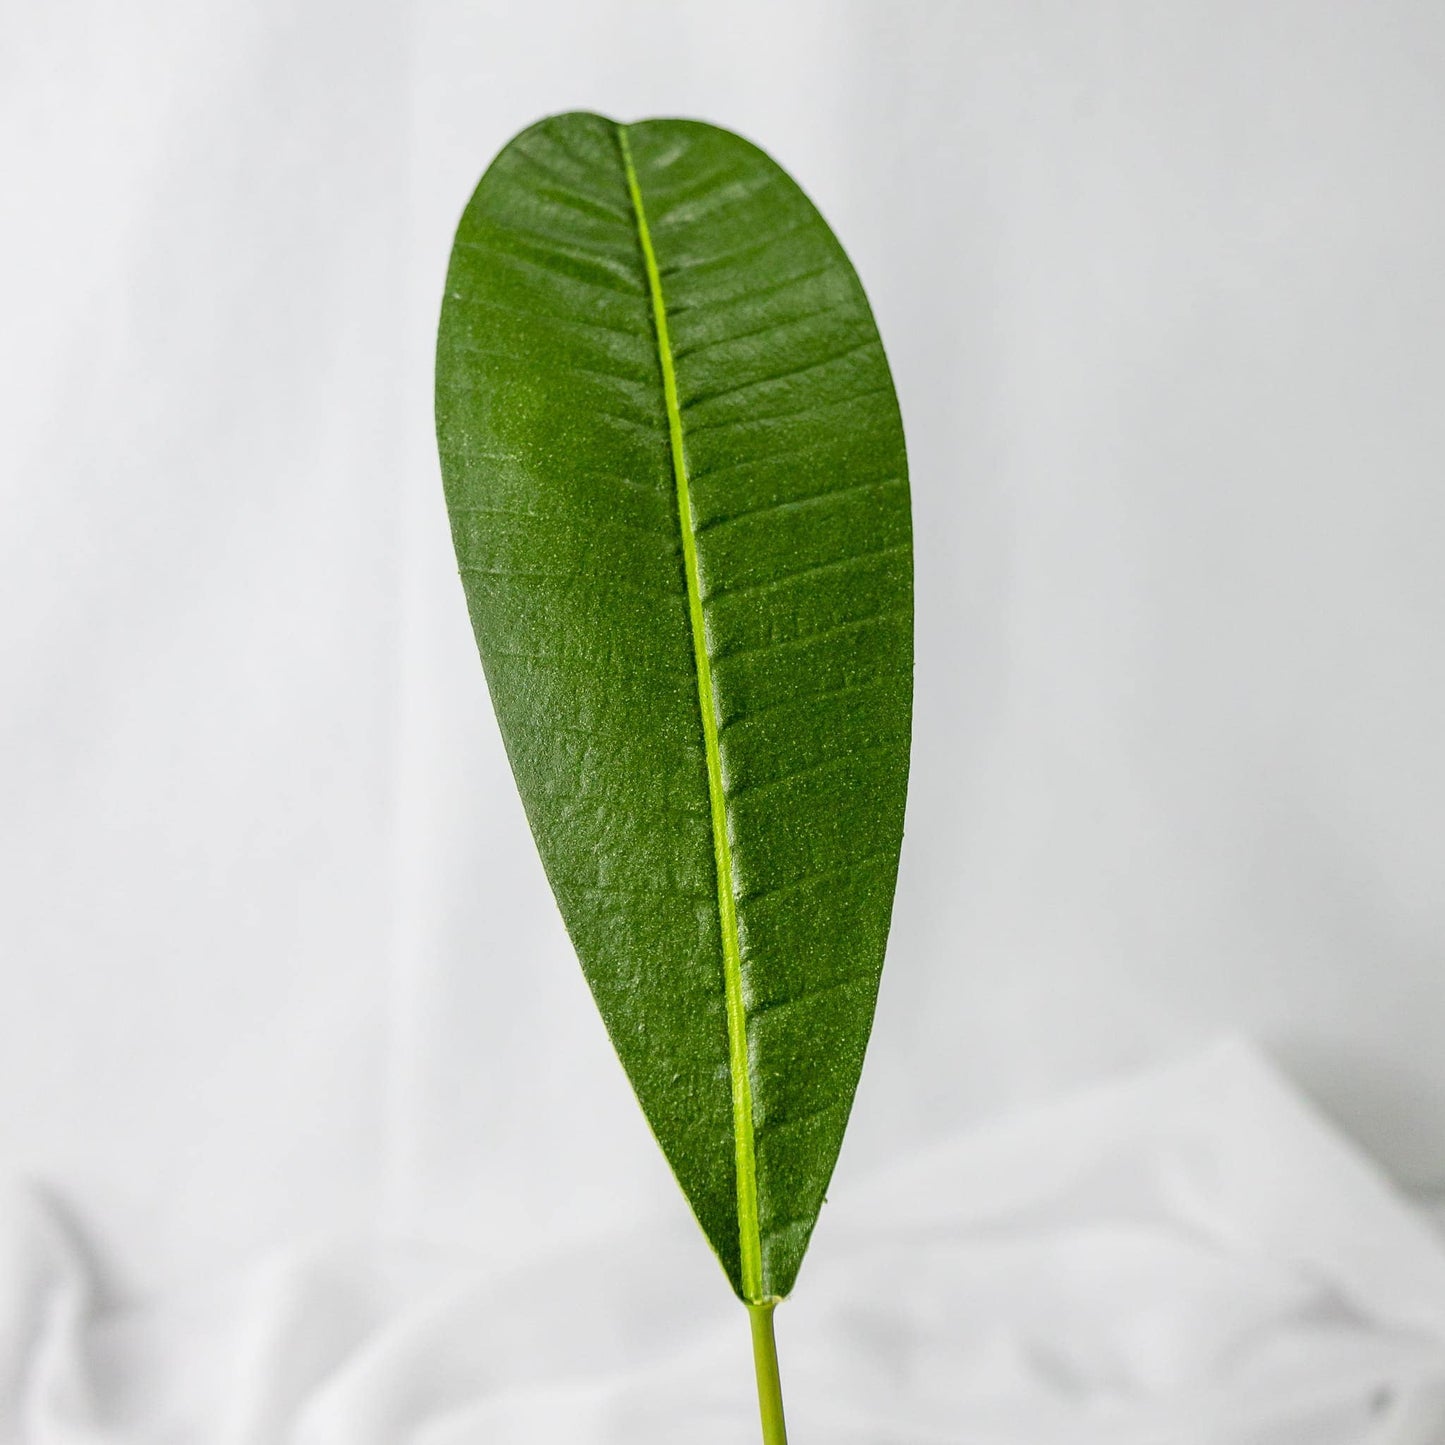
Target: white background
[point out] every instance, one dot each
(1163, 291)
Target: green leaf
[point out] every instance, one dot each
(678, 492)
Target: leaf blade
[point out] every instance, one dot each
(721, 524)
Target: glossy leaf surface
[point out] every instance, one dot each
(676, 477)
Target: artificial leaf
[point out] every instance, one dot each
(676, 478)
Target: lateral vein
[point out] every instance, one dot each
(749, 1232)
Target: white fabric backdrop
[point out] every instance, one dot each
(1161, 286)
(1188, 1258)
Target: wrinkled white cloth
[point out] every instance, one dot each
(1191, 1257)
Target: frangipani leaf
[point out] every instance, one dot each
(678, 492)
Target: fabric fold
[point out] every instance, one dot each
(1188, 1257)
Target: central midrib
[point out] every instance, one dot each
(749, 1236)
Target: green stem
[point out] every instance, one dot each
(765, 1360)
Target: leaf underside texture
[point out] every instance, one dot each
(678, 492)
